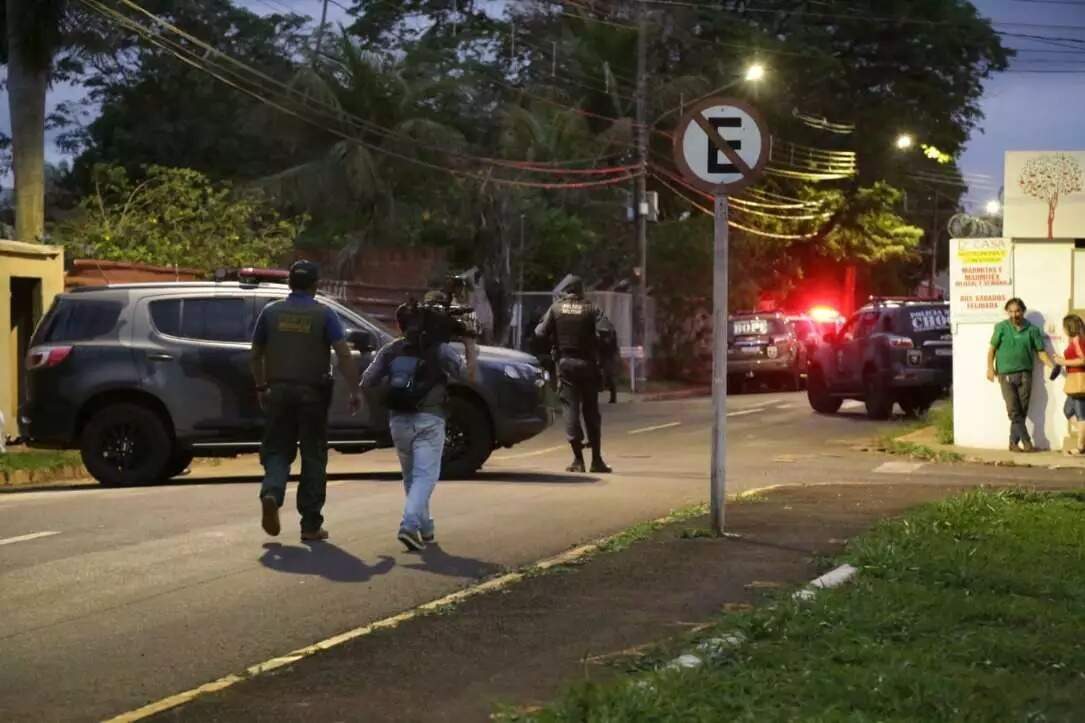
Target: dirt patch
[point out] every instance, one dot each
(521, 645)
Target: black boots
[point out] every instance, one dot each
(597, 464)
(578, 458)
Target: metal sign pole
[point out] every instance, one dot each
(719, 364)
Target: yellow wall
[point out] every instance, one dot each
(35, 261)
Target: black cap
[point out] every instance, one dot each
(304, 274)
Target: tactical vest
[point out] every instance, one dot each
(574, 322)
(297, 348)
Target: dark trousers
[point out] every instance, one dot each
(297, 413)
(580, 395)
(1017, 392)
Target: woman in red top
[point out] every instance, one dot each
(1074, 361)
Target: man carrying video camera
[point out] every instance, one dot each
(416, 369)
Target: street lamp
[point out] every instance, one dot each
(993, 208)
(905, 141)
(755, 73)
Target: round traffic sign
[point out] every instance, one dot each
(721, 145)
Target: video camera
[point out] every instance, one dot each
(437, 320)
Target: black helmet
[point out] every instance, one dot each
(304, 275)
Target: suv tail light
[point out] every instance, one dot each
(46, 357)
(900, 342)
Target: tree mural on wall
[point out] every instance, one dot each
(1049, 178)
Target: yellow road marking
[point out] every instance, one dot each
(496, 583)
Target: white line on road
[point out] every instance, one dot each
(24, 538)
(898, 467)
(656, 428)
(743, 412)
(537, 453)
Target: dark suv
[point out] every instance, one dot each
(144, 377)
(892, 350)
(764, 345)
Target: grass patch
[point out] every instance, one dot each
(941, 418)
(645, 530)
(965, 610)
(892, 445)
(38, 460)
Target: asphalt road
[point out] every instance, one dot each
(110, 599)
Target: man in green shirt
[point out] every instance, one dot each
(1014, 347)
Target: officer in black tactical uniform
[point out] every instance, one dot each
(291, 365)
(574, 325)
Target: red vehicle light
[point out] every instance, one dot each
(900, 342)
(824, 313)
(47, 357)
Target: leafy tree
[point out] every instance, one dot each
(159, 110)
(177, 216)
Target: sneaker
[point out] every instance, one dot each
(1027, 447)
(576, 466)
(270, 518)
(1013, 447)
(411, 539)
(429, 537)
(315, 535)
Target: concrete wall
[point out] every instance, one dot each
(1044, 276)
(23, 261)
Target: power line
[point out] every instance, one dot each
(331, 113)
(198, 62)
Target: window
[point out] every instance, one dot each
(867, 322)
(803, 328)
(82, 320)
(208, 319)
(847, 333)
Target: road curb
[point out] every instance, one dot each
(711, 647)
(492, 585)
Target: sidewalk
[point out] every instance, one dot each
(519, 646)
(1048, 459)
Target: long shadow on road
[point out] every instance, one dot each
(324, 560)
(436, 560)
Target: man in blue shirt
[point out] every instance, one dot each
(418, 432)
(291, 365)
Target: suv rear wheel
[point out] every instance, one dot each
(917, 404)
(818, 394)
(468, 439)
(178, 463)
(126, 444)
(879, 403)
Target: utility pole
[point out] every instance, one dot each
(320, 32)
(520, 286)
(640, 200)
(934, 246)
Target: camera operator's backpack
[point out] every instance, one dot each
(416, 370)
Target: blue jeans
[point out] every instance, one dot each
(420, 442)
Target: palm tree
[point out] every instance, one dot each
(33, 30)
(381, 105)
